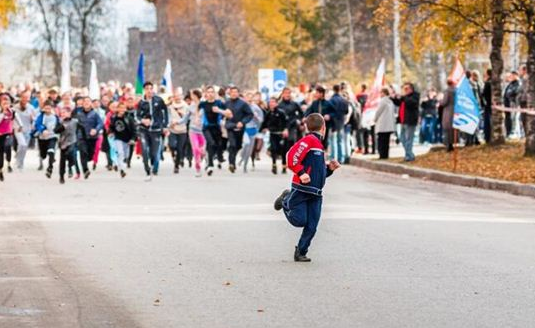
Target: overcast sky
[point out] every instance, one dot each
(129, 13)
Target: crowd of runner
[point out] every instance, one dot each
(202, 128)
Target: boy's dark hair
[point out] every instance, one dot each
(315, 122)
(197, 93)
(234, 88)
(320, 89)
(336, 88)
(48, 103)
(147, 84)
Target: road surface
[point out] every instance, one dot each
(211, 252)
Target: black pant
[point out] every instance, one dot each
(383, 144)
(369, 133)
(86, 147)
(213, 138)
(130, 154)
(3, 138)
(235, 140)
(508, 124)
(276, 148)
(48, 148)
(106, 149)
(487, 124)
(66, 155)
(177, 145)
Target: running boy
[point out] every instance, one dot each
(45, 125)
(302, 205)
(276, 122)
(68, 130)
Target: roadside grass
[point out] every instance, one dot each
(506, 162)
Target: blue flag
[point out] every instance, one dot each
(140, 78)
(466, 108)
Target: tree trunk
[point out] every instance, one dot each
(496, 60)
(530, 119)
(352, 62)
(84, 47)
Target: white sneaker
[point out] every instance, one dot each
(148, 178)
(198, 174)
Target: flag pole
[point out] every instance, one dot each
(455, 149)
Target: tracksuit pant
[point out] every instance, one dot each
(213, 137)
(67, 155)
(177, 145)
(277, 148)
(47, 147)
(235, 141)
(86, 147)
(303, 210)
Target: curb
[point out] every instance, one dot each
(514, 188)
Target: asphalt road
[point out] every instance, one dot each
(210, 252)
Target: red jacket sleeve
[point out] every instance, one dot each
(295, 156)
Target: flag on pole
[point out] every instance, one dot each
(370, 108)
(94, 89)
(457, 73)
(66, 62)
(466, 107)
(167, 80)
(140, 78)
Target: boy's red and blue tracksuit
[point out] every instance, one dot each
(302, 206)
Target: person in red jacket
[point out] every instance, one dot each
(302, 204)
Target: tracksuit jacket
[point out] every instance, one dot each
(241, 112)
(88, 120)
(156, 111)
(307, 156)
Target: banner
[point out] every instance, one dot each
(167, 80)
(271, 82)
(466, 106)
(370, 108)
(94, 88)
(66, 62)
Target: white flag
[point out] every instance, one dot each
(167, 80)
(94, 89)
(66, 63)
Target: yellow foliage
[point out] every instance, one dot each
(266, 19)
(6, 8)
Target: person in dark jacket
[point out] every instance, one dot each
(409, 105)
(323, 107)
(68, 130)
(487, 106)
(429, 116)
(295, 119)
(213, 112)
(87, 136)
(154, 118)
(341, 109)
(302, 205)
(448, 109)
(235, 125)
(123, 129)
(510, 100)
(275, 122)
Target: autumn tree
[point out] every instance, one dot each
(7, 7)
(460, 26)
(86, 19)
